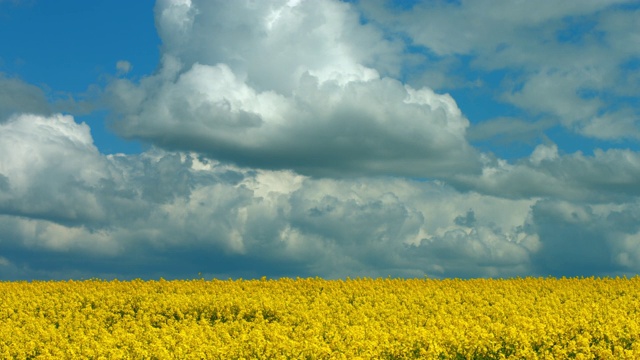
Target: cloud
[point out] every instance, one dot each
(468, 220)
(451, 28)
(506, 130)
(586, 240)
(65, 207)
(605, 176)
(4, 262)
(568, 62)
(43, 155)
(613, 125)
(271, 44)
(556, 93)
(290, 86)
(479, 253)
(67, 210)
(123, 67)
(16, 96)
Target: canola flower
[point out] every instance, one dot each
(529, 318)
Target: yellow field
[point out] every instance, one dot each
(319, 319)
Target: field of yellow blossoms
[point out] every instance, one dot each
(529, 318)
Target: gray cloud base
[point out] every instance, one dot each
(71, 210)
(377, 127)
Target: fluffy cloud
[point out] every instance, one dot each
(178, 214)
(271, 44)
(43, 155)
(67, 210)
(293, 85)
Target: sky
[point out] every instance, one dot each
(303, 138)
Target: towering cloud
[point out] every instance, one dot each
(290, 85)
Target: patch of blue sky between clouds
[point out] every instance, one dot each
(579, 30)
(70, 50)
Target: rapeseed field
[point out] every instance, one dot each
(528, 318)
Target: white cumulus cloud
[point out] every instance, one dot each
(298, 85)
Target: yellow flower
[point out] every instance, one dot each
(527, 318)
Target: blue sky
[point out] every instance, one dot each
(319, 138)
(69, 47)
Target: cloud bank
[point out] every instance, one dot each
(290, 85)
(65, 207)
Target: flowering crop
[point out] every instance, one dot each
(530, 318)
